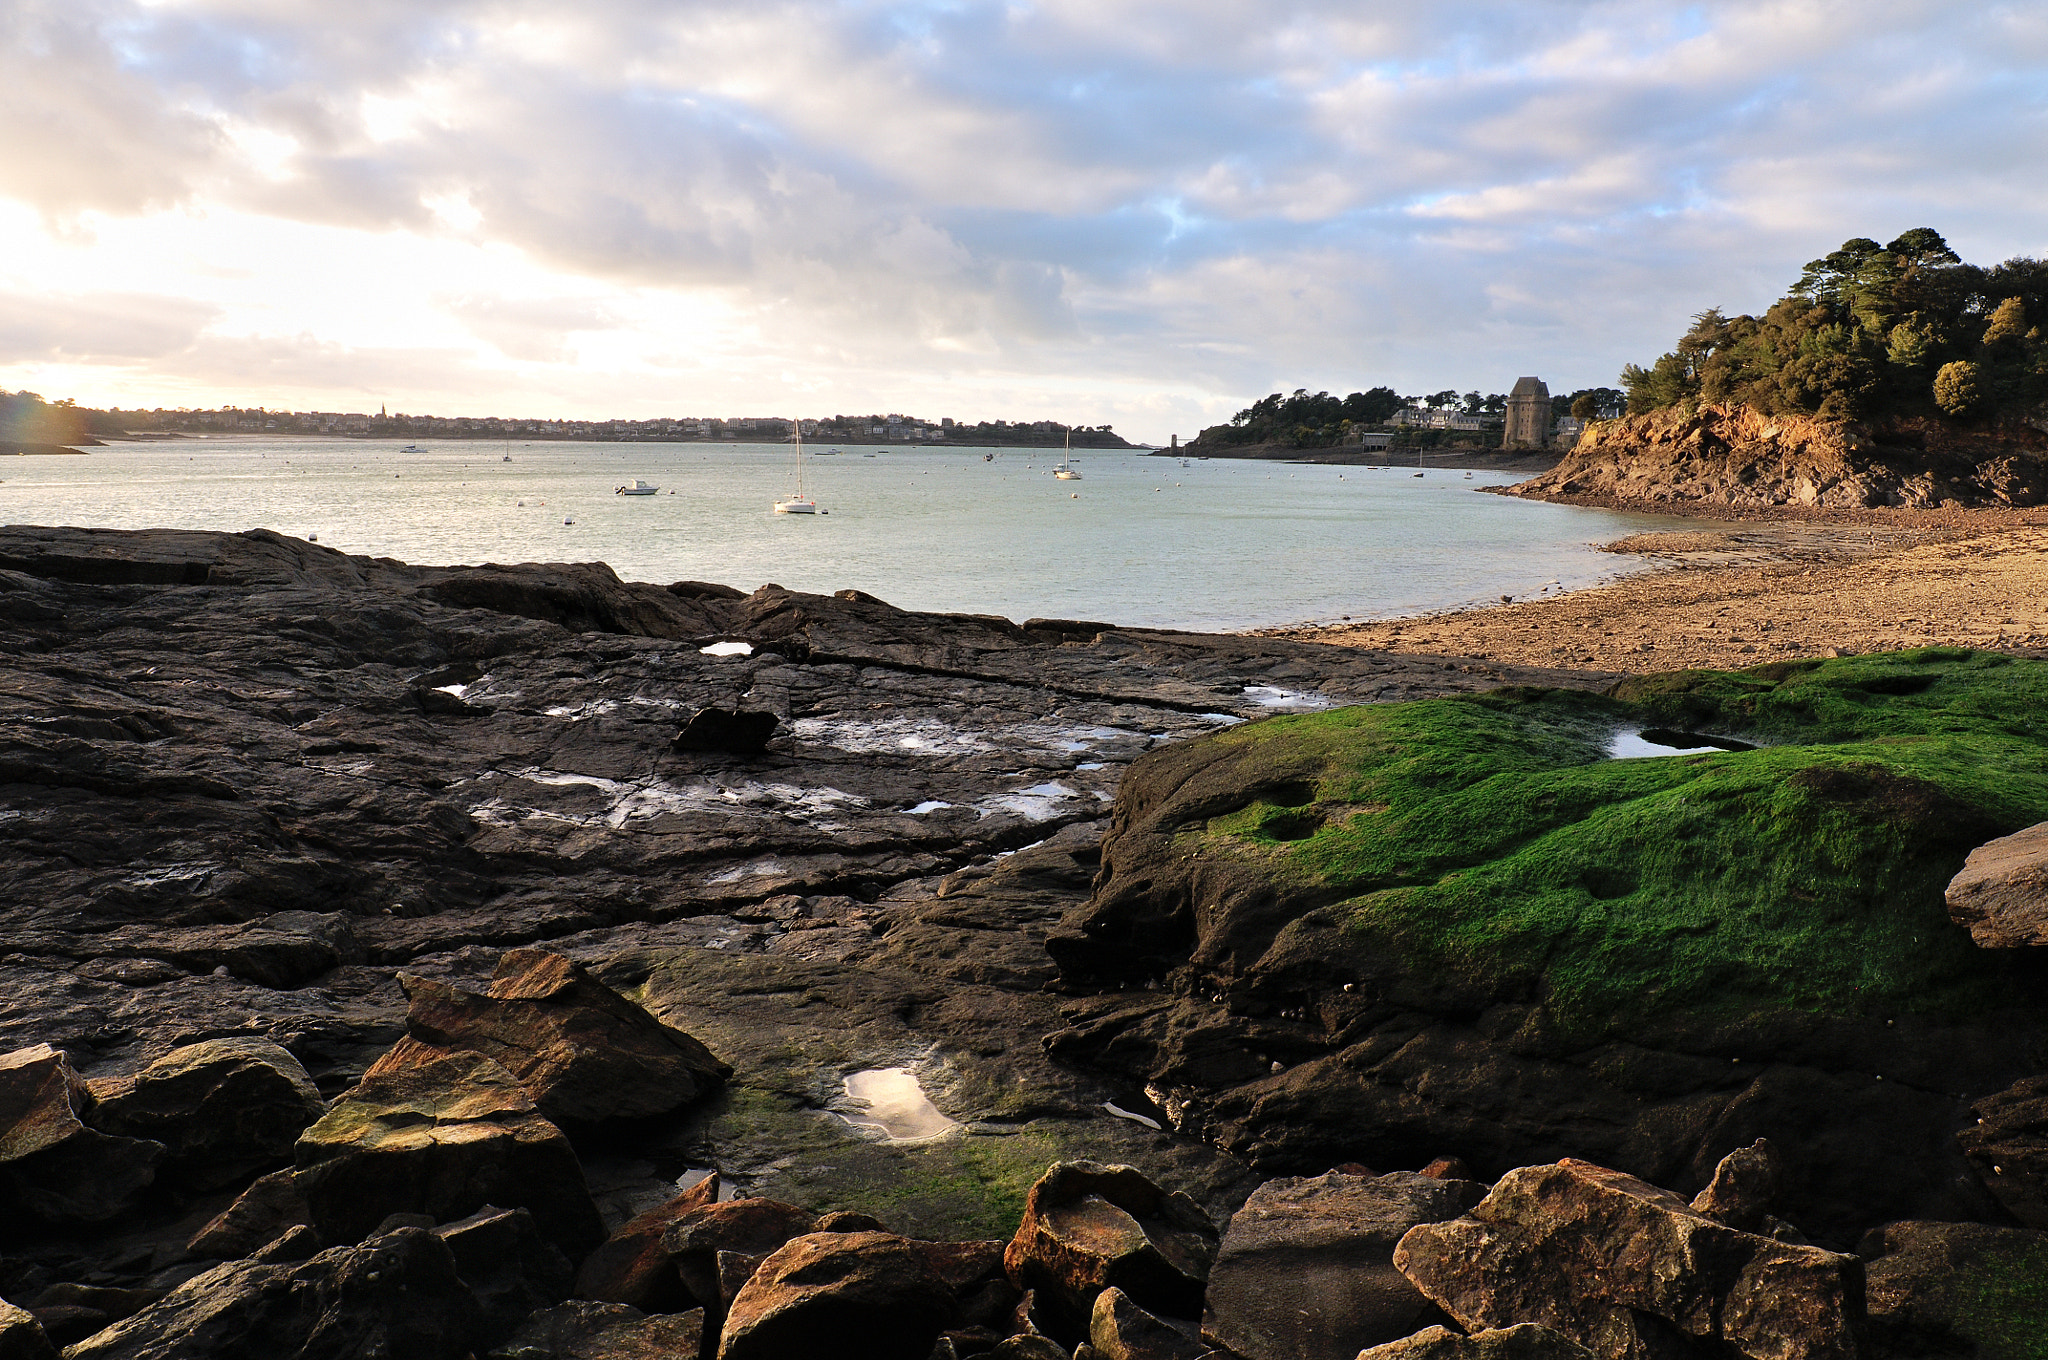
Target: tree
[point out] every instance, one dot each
(1860, 333)
(1955, 387)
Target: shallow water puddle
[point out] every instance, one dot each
(1660, 741)
(1272, 696)
(895, 1106)
(728, 649)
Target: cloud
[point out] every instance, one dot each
(97, 327)
(1165, 207)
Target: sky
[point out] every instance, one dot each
(1145, 213)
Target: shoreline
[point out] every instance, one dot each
(1733, 592)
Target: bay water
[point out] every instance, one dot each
(1150, 541)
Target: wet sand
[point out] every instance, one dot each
(1734, 594)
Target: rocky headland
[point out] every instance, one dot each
(445, 961)
(1732, 455)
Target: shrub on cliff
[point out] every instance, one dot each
(1870, 330)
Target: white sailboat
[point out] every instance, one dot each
(1066, 471)
(798, 504)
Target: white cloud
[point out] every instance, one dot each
(1155, 210)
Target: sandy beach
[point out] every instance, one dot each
(1739, 593)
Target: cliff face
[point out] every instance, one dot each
(1735, 455)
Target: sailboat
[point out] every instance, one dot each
(798, 504)
(1066, 471)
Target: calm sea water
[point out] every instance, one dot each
(1139, 540)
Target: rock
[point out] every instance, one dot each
(633, 1266)
(1120, 1330)
(284, 950)
(585, 1330)
(1027, 1348)
(269, 1208)
(510, 1268)
(222, 1108)
(1306, 1267)
(1956, 1289)
(1088, 1226)
(58, 1169)
(1591, 1252)
(1744, 1189)
(21, 1336)
(737, 730)
(1523, 1341)
(846, 1220)
(298, 1243)
(734, 1269)
(2001, 893)
(860, 1296)
(441, 1134)
(2008, 1147)
(398, 1295)
(582, 1051)
(749, 1227)
(1447, 1169)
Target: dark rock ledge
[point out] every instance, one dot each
(246, 783)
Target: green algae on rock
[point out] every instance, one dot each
(1486, 844)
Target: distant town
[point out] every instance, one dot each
(893, 428)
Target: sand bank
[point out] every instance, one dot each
(1738, 594)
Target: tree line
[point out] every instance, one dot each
(1307, 420)
(1869, 331)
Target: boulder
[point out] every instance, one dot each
(1306, 1267)
(441, 1134)
(1957, 1289)
(58, 1169)
(1027, 1347)
(586, 1330)
(747, 1227)
(1120, 1330)
(2001, 893)
(583, 1052)
(1744, 1190)
(739, 731)
(2008, 1146)
(21, 1336)
(510, 1268)
(266, 1211)
(70, 1311)
(853, 1296)
(1088, 1226)
(222, 1108)
(1523, 1341)
(1613, 1262)
(633, 1267)
(397, 1295)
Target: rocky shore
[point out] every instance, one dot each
(445, 961)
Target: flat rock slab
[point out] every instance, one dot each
(1306, 1268)
(2001, 895)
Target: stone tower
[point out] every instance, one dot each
(1528, 425)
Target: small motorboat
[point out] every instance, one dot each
(412, 448)
(636, 487)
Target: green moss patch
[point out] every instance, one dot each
(1491, 838)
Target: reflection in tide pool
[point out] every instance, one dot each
(894, 1105)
